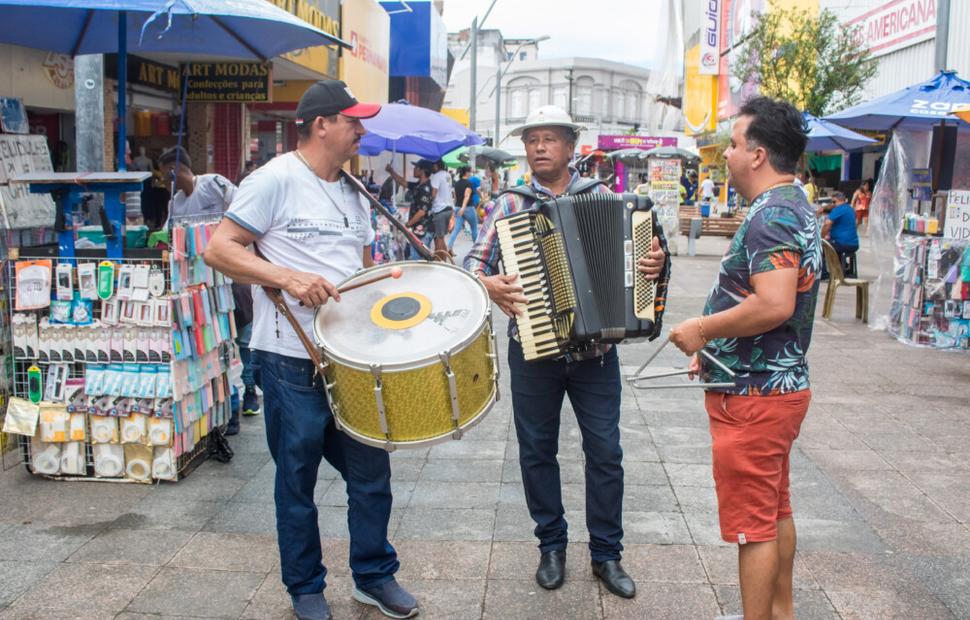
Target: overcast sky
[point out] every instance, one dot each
(622, 30)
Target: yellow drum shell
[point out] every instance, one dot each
(417, 401)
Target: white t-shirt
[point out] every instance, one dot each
(212, 194)
(707, 188)
(298, 226)
(441, 181)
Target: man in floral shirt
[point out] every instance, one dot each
(758, 322)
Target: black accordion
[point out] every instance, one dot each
(576, 258)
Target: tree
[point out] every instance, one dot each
(816, 63)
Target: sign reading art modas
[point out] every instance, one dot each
(228, 82)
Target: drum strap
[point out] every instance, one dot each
(283, 308)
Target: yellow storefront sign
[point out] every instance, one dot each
(364, 67)
(459, 115)
(700, 96)
(310, 14)
(322, 58)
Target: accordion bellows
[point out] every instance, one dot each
(576, 259)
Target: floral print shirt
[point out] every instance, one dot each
(779, 232)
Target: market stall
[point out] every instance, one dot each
(121, 356)
(920, 212)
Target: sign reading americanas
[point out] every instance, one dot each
(896, 25)
(228, 82)
(710, 54)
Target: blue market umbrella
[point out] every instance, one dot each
(921, 105)
(403, 128)
(826, 136)
(249, 29)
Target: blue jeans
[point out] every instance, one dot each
(427, 239)
(594, 388)
(243, 336)
(300, 431)
(470, 215)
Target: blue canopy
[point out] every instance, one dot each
(826, 136)
(253, 29)
(403, 128)
(239, 29)
(920, 105)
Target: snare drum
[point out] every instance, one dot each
(410, 361)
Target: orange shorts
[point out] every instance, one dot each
(752, 437)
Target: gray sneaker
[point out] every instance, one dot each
(393, 600)
(311, 607)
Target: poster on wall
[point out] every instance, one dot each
(19, 208)
(664, 175)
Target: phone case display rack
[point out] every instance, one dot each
(931, 293)
(143, 379)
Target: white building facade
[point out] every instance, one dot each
(607, 97)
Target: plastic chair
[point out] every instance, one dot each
(836, 279)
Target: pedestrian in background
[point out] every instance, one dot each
(860, 203)
(466, 213)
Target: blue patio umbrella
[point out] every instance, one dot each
(826, 136)
(403, 128)
(921, 105)
(250, 29)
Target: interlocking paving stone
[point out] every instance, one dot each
(94, 591)
(446, 524)
(168, 514)
(662, 601)
(121, 546)
(17, 577)
(195, 592)
(579, 600)
(38, 542)
(255, 553)
(878, 481)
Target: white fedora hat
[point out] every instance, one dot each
(547, 116)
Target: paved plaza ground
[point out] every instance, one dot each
(880, 488)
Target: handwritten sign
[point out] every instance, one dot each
(957, 224)
(20, 208)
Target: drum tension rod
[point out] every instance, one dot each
(496, 372)
(453, 390)
(375, 370)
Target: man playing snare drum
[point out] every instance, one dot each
(592, 380)
(314, 230)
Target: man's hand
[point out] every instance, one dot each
(388, 168)
(505, 293)
(687, 336)
(312, 290)
(653, 263)
(694, 368)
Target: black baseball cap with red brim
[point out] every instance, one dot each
(329, 97)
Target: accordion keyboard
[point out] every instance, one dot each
(546, 320)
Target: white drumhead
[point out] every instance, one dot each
(403, 322)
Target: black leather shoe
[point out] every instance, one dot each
(552, 569)
(615, 578)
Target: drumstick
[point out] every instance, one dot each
(395, 272)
